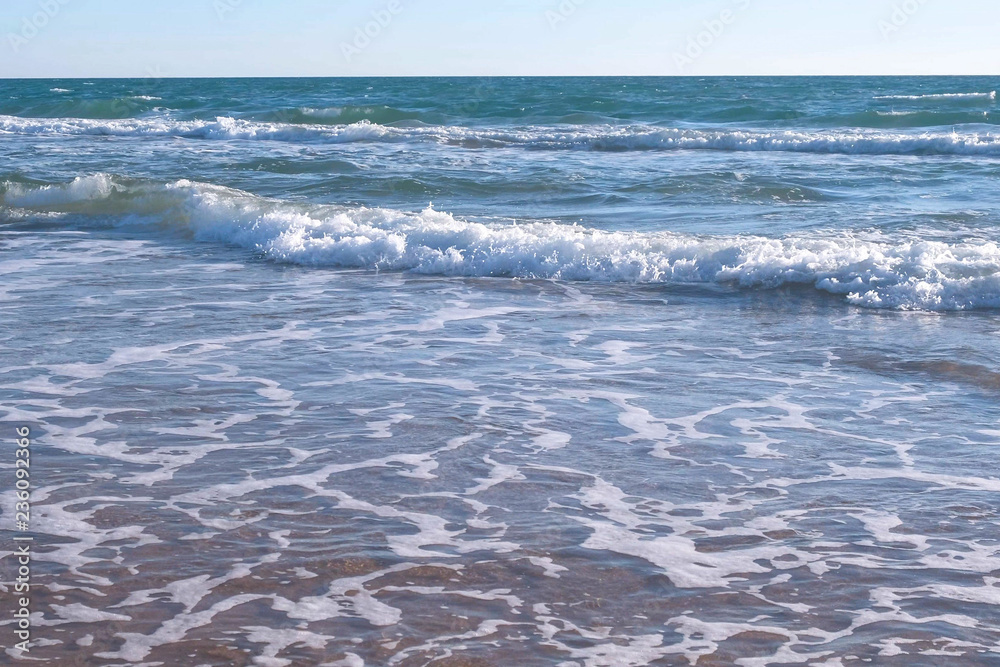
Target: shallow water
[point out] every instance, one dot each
(612, 400)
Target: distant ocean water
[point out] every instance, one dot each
(583, 371)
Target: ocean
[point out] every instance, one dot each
(509, 371)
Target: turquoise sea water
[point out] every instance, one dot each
(577, 371)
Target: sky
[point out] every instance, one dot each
(126, 38)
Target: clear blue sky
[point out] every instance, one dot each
(93, 38)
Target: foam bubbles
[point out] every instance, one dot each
(992, 95)
(877, 271)
(845, 141)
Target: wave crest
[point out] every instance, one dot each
(992, 95)
(598, 138)
(873, 273)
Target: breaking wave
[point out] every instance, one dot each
(992, 95)
(879, 273)
(597, 138)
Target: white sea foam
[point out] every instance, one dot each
(992, 95)
(596, 137)
(223, 127)
(876, 271)
(326, 113)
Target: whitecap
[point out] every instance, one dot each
(594, 137)
(875, 270)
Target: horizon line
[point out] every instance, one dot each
(492, 76)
